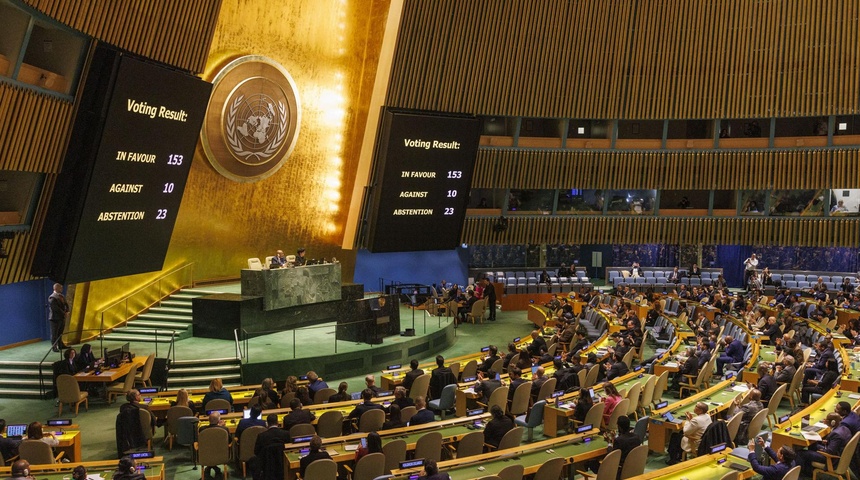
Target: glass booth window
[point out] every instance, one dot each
(753, 202)
(531, 201)
(805, 203)
(631, 202)
(684, 202)
(845, 203)
(581, 202)
(486, 198)
(725, 203)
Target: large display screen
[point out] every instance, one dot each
(421, 183)
(135, 175)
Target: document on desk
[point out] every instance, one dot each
(671, 364)
(95, 476)
(351, 448)
(470, 390)
(811, 436)
(741, 387)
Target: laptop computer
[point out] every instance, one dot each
(355, 395)
(671, 418)
(16, 431)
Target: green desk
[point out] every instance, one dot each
(719, 398)
(342, 449)
(530, 458)
(766, 353)
(817, 412)
(706, 467)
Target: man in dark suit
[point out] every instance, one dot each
(412, 374)
(59, 309)
(817, 368)
(490, 359)
(441, 377)
(274, 435)
(786, 373)
(486, 385)
(783, 461)
(367, 396)
(490, 295)
(537, 342)
(253, 420)
(422, 415)
(515, 375)
(618, 367)
(316, 453)
(689, 367)
(625, 441)
(734, 353)
(297, 415)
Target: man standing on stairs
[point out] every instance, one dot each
(59, 309)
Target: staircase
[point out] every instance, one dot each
(19, 379)
(157, 323)
(198, 373)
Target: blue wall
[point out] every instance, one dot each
(411, 267)
(22, 311)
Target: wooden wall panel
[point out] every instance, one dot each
(638, 59)
(686, 231)
(700, 170)
(33, 129)
(175, 32)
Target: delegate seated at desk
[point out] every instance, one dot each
(279, 260)
(300, 258)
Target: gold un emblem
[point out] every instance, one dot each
(252, 121)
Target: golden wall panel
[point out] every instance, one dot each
(685, 231)
(175, 32)
(693, 170)
(330, 48)
(651, 59)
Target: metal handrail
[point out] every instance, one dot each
(161, 296)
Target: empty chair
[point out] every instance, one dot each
(512, 439)
(594, 417)
(69, 392)
(633, 396)
(773, 403)
(171, 427)
(213, 450)
(634, 464)
(641, 428)
(37, 452)
(217, 404)
(254, 264)
(498, 397)
(547, 388)
(371, 420)
(734, 425)
(246, 446)
(471, 444)
(756, 423)
(620, 409)
(302, 430)
(407, 413)
(146, 426)
(143, 376)
(429, 446)
(323, 394)
(550, 470)
(533, 418)
(420, 386)
(330, 424)
(512, 472)
(647, 395)
(322, 469)
(395, 452)
(608, 467)
(121, 388)
(470, 370)
(520, 402)
(445, 401)
(368, 467)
